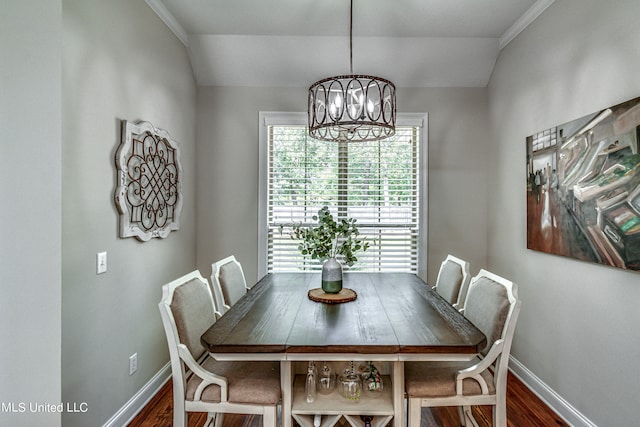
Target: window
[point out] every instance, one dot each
(381, 183)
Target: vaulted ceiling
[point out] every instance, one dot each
(279, 43)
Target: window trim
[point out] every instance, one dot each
(278, 118)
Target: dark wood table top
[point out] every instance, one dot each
(394, 313)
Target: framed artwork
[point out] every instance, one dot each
(583, 188)
(149, 191)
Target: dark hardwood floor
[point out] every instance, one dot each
(524, 409)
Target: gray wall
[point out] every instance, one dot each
(227, 134)
(30, 236)
(578, 327)
(119, 62)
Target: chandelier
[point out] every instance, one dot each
(353, 107)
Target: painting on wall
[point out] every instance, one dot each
(583, 188)
(149, 191)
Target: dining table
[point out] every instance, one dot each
(390, 318)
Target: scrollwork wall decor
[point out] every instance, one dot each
(149, 191)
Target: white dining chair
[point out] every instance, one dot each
(453, 280)
(492, 305)
(228, 283)
(200, 383)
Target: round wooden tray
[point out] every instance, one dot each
(345, 295)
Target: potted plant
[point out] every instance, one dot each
(326, 241)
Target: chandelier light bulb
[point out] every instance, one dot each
(338, 101)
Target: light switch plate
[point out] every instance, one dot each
(101, 262)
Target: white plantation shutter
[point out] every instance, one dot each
(375, 182)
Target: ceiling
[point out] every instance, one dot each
(279, 43)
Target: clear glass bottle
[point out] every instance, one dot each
(310, 384)
(326, 379)
(351, 385)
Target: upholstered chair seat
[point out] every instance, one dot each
(437, 379)
(248, 382)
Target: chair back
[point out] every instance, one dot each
(493, 306)
(228, 282)
(453, 279)
(187, 311)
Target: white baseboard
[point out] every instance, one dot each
(140, 399)
(557, 404)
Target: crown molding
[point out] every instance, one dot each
(163, 13)
(523, 22)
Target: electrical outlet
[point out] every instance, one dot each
(101, 262)
(133, 363)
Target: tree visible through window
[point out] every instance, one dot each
(375, 182)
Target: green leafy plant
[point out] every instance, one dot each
(330, 238)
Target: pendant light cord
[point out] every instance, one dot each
(351, 38)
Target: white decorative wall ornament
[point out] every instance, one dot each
(149, 191)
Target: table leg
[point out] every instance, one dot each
(398, 393)
(286, 385)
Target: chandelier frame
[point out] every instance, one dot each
(352, 107)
